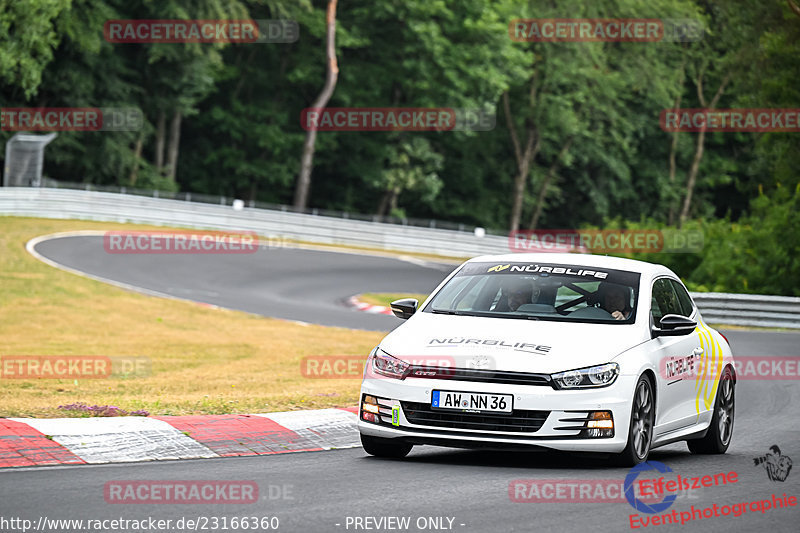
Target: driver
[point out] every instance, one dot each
(517, 293)
(614, 299)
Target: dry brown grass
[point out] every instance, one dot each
(204, 360)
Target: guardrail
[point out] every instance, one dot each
(227, 200)
(749, 309)
(717, 308)
(114, 207)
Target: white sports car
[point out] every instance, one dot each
(551, 351)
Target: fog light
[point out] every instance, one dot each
(600, 419)
(370, 410)
(599, 425)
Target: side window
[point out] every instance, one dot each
(665, 301)
(683, 298)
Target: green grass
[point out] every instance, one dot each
(384, 299)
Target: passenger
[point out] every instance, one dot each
(614, 299)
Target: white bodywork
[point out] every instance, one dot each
(683, 406)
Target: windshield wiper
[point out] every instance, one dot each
(526, 317)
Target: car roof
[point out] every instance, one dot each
(602, 261)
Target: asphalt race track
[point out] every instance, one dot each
(289, 283)
(326, 491)
(324, 488)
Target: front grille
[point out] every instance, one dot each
(518, 420)
(503, 377)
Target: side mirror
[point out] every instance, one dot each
(674, 326)
(404, 308)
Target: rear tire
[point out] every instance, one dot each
(720, 432)
(640, 429)
(381, 447)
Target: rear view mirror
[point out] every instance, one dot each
(674, 326)
(404, 308)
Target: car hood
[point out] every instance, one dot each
(508, 344)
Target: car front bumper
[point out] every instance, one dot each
(538, 413)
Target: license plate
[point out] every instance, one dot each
(472, 401)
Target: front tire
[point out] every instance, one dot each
(719, 434)
(640, 430)
(381, 447)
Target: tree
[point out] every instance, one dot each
(775, 54)
(412, 166)
(332, 74)
(593, 95)
(257, 97)
(179, 76)
(453, 54)
(28, 37)
(701, 138)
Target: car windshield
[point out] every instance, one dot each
(540, 291)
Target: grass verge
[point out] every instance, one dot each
(204, 361)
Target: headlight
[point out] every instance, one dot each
(386, 365)
(586, 378)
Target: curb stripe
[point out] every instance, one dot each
(22, 445)
(96, 440)
(324, 428)
(353, 301)
(120, 439)
(232, 435)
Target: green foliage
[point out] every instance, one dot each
(413, 165)
(27, 38)
(240, 105)
(759, 253)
